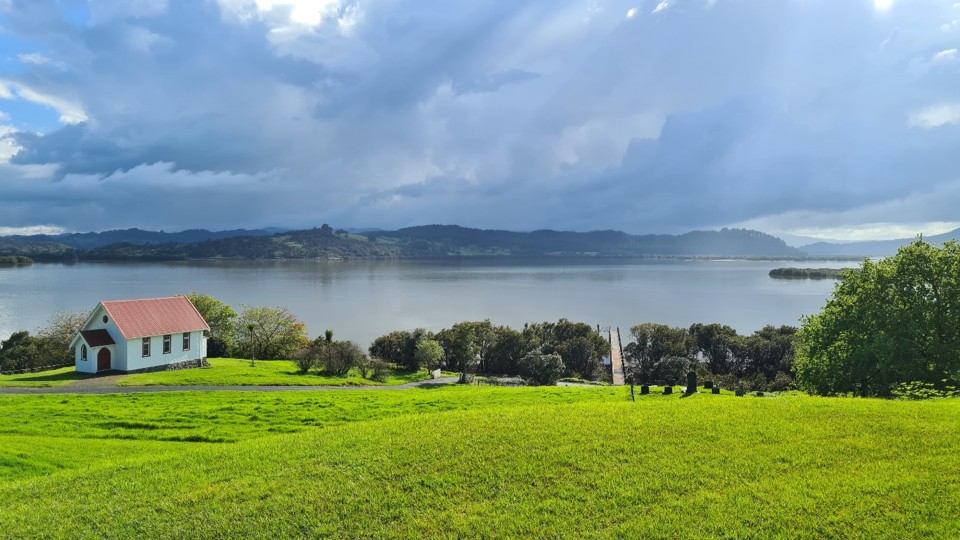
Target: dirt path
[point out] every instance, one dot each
(107, 385)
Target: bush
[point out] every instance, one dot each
(922, 390)
(337, 357)
(670, 370)
(378, 369)
(541, 369)
(782, 381)
(217, 348)
(305, 360)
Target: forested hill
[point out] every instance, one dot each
(440, 240)
(92, 240)
(432, 241)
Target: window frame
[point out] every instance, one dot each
(167, 343)
(186, 341)
(83, 353)
(145, 347)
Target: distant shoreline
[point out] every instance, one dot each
(807, 273)
(782, 272)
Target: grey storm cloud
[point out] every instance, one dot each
(784, 114)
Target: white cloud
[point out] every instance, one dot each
(632, 12)
(663, 6)
(8, 148)
(935, 116)
(33, 58)
(70, 112)
(30, 230)
(301, 12)
(945, 55)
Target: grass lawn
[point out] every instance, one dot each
(53, 377)
(233, 371)
(479, 462)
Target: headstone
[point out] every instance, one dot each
(707, 385)
(759, 394)
(644, 390)
(741, 393)
(667, 390)
(435, 374)
(691, 383)
(715, 389)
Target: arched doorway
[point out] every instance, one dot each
(103, 359)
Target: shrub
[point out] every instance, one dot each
(922, 390)
(782, 381)
(541, 369)
(217, 348)
(671, 370)
(337, 357)
(305, 360)
(378, 369)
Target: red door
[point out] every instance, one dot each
(103, 360)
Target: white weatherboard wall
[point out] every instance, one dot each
(117, 352)
(136, 360)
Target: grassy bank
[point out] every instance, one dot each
(485, 462)
(234, 371)
(54, 377)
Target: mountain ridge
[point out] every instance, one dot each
(424, 241)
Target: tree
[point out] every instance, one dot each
(337, 357)
(579, 344)
(270, 333)
(653, 344)
(509, 347)
(894, 321)
(21, 351)
(399, 347)
(540, 368)
(713, 342)
(54, 339)
(459, 349)
(222, 321)
(428, 353)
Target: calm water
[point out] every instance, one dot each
(360, 300)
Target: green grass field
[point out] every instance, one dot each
(53, 377)
(478, 462)
(233, 371)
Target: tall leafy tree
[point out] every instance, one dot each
(222, 321)
(895, 320)
(713, 341)
(270, 333)
(654, 344)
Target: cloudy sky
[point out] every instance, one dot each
(826, 118)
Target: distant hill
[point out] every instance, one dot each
(92, 240)
(447, 240)
(429, 241)
(38, 251)
(875, 248)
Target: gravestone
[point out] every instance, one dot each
(667, 390)
(691, 383)
(714, 389)
(707, 385)
(759, 394)
(644, 390)
(740, 393)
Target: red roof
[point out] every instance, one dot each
(97, 338)
(155, 316)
